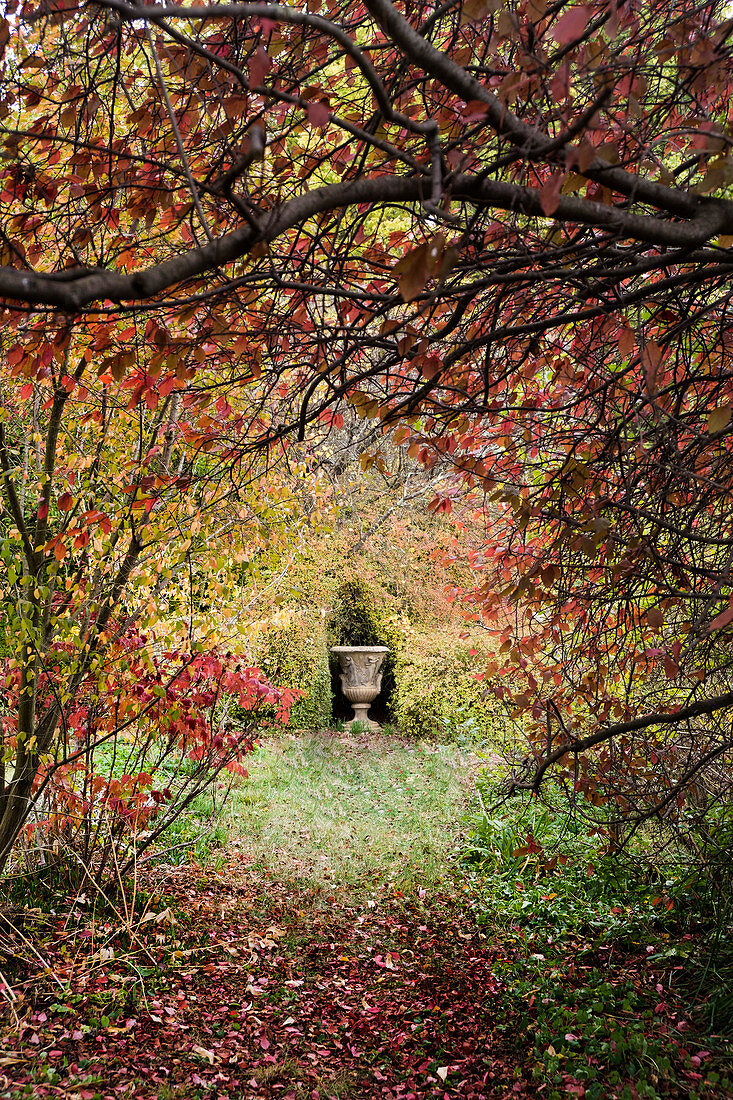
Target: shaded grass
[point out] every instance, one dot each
(351, 812)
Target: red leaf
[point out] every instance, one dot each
(319, 113)
(550, 194)
(258, 67)
(66, 502)
(431, 366)
(571, 25)
(723, 618)
(474, 111)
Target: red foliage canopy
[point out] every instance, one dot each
(502, 226)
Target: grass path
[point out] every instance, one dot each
(347, 816)
(324, 953)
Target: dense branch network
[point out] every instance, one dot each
(503, 231)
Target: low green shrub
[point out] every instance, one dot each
(596, 946)
(291, 651)
(356, 617)
(540, 864)
(707, 838)
(437, 692)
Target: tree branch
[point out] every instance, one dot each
(670, 718)
(711, 217)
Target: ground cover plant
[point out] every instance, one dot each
(604, 977)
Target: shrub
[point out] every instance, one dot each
(291, 651)
(145, 738)
(437, 692)
(429, 684)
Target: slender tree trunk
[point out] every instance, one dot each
(16, 799)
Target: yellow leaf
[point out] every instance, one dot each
(719, 419)
(204, 1053)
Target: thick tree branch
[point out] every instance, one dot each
(620, 729)
(14, 507)
(711, 217)
(531, 143)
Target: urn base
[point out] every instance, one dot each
(361, 714)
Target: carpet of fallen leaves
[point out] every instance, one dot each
(229, 989)
(227, 984)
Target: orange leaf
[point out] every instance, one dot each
(626, 341)
(418, 266)
(718, 419)
(651, 357)
(671, 668)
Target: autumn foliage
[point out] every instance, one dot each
(500, 231)
(135, 749)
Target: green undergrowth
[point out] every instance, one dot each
(599, 966)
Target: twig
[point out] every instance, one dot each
(46, 965)
(177, 135)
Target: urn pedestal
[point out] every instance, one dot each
(361, 677)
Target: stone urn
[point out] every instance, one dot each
(361, 677)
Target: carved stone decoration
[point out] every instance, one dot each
(361, 677)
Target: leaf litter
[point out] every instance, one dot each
(250, 990)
